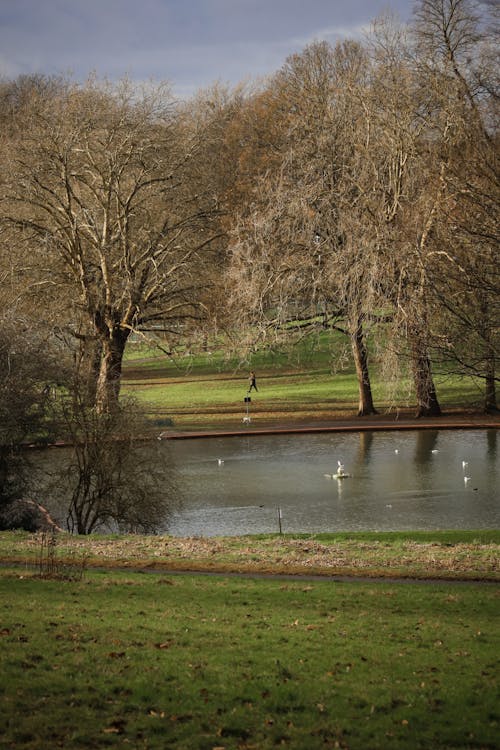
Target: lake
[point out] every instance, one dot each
(400, 480)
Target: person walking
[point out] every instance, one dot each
(252, 382)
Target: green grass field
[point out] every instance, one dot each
(195, 663)
(308, 381)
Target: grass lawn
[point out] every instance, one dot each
(305, 383)
(187, 662)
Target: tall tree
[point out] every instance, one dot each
(298, 247)
(107, 193)
(458, 66)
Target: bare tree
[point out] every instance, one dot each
(112, 479)
(107, 193)
(458, 65)
(298, 247)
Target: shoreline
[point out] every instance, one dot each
(373, 423)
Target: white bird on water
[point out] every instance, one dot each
(341, 472)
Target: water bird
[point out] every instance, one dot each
(435, 450)
(220, 461)
(341, 472)
(396, 450)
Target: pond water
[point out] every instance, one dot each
(399, 481)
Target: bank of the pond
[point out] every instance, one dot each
(446, 555)
(373, 423)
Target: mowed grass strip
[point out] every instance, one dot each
(216, 390)
(192, 663)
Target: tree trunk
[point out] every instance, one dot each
(360, 355)
(109, 380)
(89, 366)
(490, 396)
(425, 391)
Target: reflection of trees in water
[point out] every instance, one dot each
(425, 443)
(387, 491)
(492, 444)
(365, 444)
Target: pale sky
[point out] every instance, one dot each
(191, 43)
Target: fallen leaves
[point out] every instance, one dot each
(116, 727)
(164, 645)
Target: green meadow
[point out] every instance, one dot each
(187, 662)
(313, 380)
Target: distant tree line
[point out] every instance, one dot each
(355, 189)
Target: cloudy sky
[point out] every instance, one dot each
(191, 43)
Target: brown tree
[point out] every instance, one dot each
(108, 478)
(457, 66)
(297, 248)
(107, 193)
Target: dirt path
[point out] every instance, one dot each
(332, 578)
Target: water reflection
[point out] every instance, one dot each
(492, 442)
(425, 445)
(365, 444)
(399, 480)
